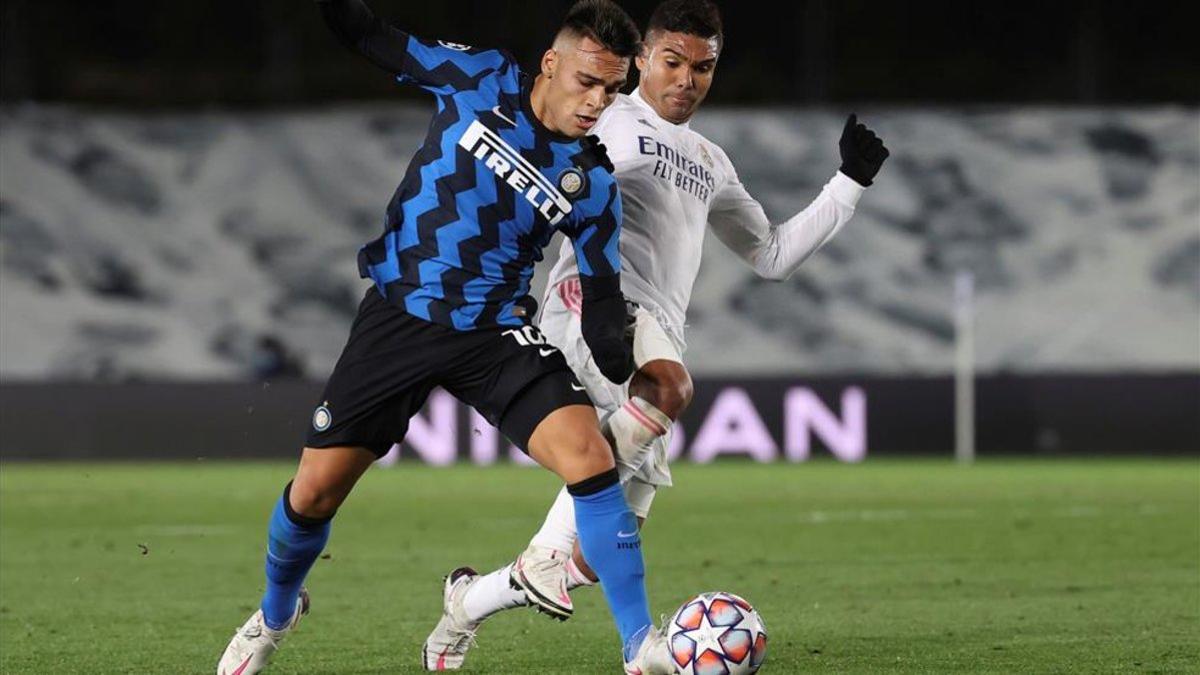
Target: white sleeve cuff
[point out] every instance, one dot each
(844, 189)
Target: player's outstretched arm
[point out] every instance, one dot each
(437, 66)
(777, 251)
(360, 30)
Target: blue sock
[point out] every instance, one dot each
(608, 535)
(293, 544)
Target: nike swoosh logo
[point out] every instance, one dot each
(546, 352)
(626, 535)
(578, 388)
(502, 116)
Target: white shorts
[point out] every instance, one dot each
(560, 323)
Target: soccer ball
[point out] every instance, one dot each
(717, 634)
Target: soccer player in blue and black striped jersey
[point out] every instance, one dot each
(505, 164)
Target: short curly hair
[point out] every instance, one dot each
(693, 17)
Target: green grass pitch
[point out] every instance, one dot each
(904, 566)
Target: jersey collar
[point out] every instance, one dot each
(636, 96)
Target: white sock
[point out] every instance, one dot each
(491, 594)
(558, 530)
(632, 430)
(576, 577)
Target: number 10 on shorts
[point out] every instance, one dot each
(527, 336)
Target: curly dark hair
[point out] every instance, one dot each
(693, 17)
(605, 22)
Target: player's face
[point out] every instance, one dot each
(676, 72)
(582, 79)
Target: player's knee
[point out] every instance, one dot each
(666, 385)
(569, 443)
(679, 396)
(585, 456)
(312, 500)
(593, 453)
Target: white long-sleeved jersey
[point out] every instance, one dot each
(674, 184)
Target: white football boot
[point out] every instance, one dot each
(652, 657)
(446, 647)
(253, 644)
(541, 572)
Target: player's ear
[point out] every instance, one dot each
(549, 62)
(642, 60)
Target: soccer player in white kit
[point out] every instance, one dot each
(675, 185)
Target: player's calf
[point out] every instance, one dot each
(609, 537)
(293, 544)
(297, 533)
(576, 570)
(608, 531)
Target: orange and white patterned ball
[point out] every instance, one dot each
(717, 633)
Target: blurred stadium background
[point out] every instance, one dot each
(183, 195)
(183, 188)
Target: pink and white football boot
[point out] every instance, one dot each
(253, 644)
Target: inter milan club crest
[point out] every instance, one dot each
(571, 182)
(456, 46)
(322, 418)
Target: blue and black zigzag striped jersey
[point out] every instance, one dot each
(485, 192)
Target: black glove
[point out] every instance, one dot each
(862, 152)
(604, 326)
(526, 308)
(594, 154)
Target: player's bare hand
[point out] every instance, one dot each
(862, 151)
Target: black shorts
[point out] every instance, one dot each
(393, 360)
